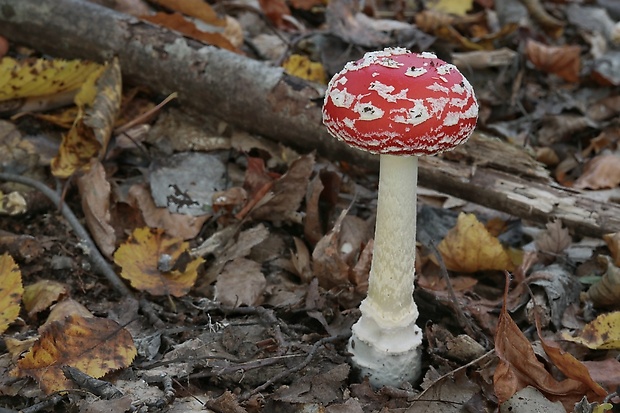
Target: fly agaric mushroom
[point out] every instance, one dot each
(399, 105)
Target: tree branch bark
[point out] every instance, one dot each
(263, 99)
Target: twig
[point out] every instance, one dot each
(98, 261)
(451, 373)
(286, 373)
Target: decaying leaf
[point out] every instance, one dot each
(94, 346)
(569, 365)
(606, 292)
(469, 247)
(11, 291)
(240, 283)
(600, 172)
(603, 333)
(554, 239)
(519, 367)
(95, 193)
(287, 192)
(613, 243)
(195, 8)
(301, 66)
(40, 77)
(178, 22)
(563, 61)
(148, 260)
(458, 7)
(42, 294)
(98, 103)
(62, 310)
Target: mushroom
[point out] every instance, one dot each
(399, 105)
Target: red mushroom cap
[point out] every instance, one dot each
(400, 103)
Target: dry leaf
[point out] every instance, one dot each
(42, 294)
(468, 247)
(613, 243)
(554, 240)
(275, 10)
(563, 61)
(606, 292)
(11, 291)
(603, 333)
(62, 310)
(148, 260)
(40, 77)
(240, 283)
(95, 194)
(287, 192)
(519, 366)
(194, 8)
(301, 66)
(569, 365)
(98, 101)
(177, 22)
(175, 225)
(458, 7)
(94, 346)
(602, 171)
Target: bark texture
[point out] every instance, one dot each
(263, 99)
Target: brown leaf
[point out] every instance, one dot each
(569, 365)
(554, 239)
(600, 172)
(176, 21)
(194, 8)
(95, 193)
(275, 10)
(94, 346)
(519, 367)
(287, 192)
(176, 225)
(563, 61)
(606, 292)
(613, 243)
(240, 283)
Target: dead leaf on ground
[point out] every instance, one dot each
(94, 346)
(194, 8)
(301, 66)
(175, 225)
(40, 77)
(42, 294)
(554, 240)
(569, 365)
(95, 194)
(98, 101)
(606, 292)
(469, 247)
(11, 291)
(603, 333)
(62, 310)
(287, 192)
(179, 23)
(148, 259)
(613, 243)
(519, 366)
(276, 11)
(563, 61)
(600, 172)
(240, 283)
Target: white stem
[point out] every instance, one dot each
(385, 341)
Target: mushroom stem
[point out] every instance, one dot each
(386, 342)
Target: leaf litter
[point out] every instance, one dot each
(246, 305)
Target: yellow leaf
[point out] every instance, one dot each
(98, 103)
(149, 260)
(458, 7)
(42, 294)
(11, 291)
(603, 333)
(603, 407)
(468, 247)
(301, 66)
(94, 346)
(41, 77)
